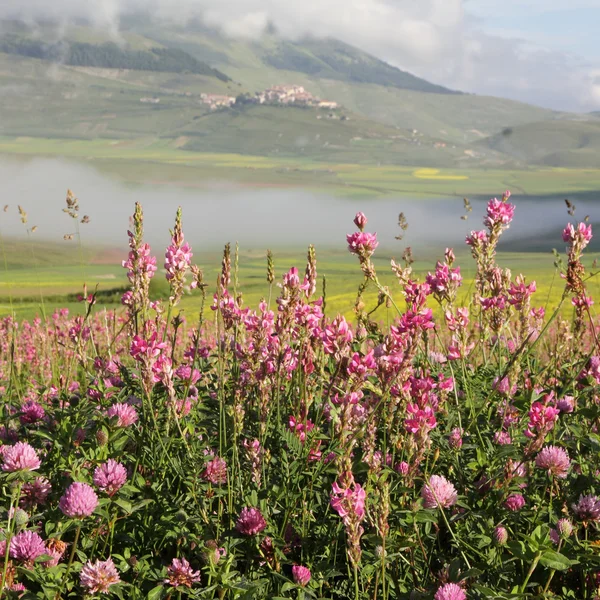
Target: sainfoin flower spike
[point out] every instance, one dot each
(97, 577)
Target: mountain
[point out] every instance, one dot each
(107, 55)
(151, 82)
(551, 143)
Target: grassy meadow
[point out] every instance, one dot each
(162, 162)
(42, 277)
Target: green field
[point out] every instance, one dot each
(161, 162)
(32, 288)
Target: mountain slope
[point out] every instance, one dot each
(108, 55)
(551, 143)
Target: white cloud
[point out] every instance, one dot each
(436, 39)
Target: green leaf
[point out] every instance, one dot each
(156, 593)
(555, 560)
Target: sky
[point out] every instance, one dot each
(545, 52)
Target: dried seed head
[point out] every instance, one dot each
(23, 214)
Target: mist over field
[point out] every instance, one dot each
(256, 218)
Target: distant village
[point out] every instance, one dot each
(292, 95)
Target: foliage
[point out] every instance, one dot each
(277, 453)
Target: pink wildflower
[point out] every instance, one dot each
(499, 213)
(250, 521)
(554, 460)
(110, 477)
(20, 457)
(79, 501)
(515, 502)
(360, 220)
(587, 508)
(500, 535)
(301, 575)
(362, 244)
(125, 413)
(438, 492)
(35, 492)
(31, 412)
(450, 591)
(97, 577)
(27, 546)
(215, 471)
(180, 573)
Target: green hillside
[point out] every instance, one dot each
(551, 143)
(332, 59)
(108, 55)
(150, 84)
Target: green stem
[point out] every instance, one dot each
(70, 563)
(532, 567)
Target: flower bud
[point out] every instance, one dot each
(500, 536)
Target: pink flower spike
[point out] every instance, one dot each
(20, 457)
(360, 220)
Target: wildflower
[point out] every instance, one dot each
(35, 492)
(502, 438)
(301, 575)
(97, 577)
(564, 528)
(27, 546)
(587, 508)
(566, 404)
(250, 521)
(450, 591)
(362, 244)
(499, 213)
(541, 419)
(554, 536)
(110, 477)
(55, 548)
(215, 471)
(500, 535)
(360, 220)
(554, 460)
(125, 413)
(79, 501)
(349, 503)
(455, 439)
(180, 573)
(515, 502)
(20, 457)
(438, 492)
(581, 235)
(31, 412)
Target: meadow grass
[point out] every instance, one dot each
(156, 161)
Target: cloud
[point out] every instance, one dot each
(444, 41)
